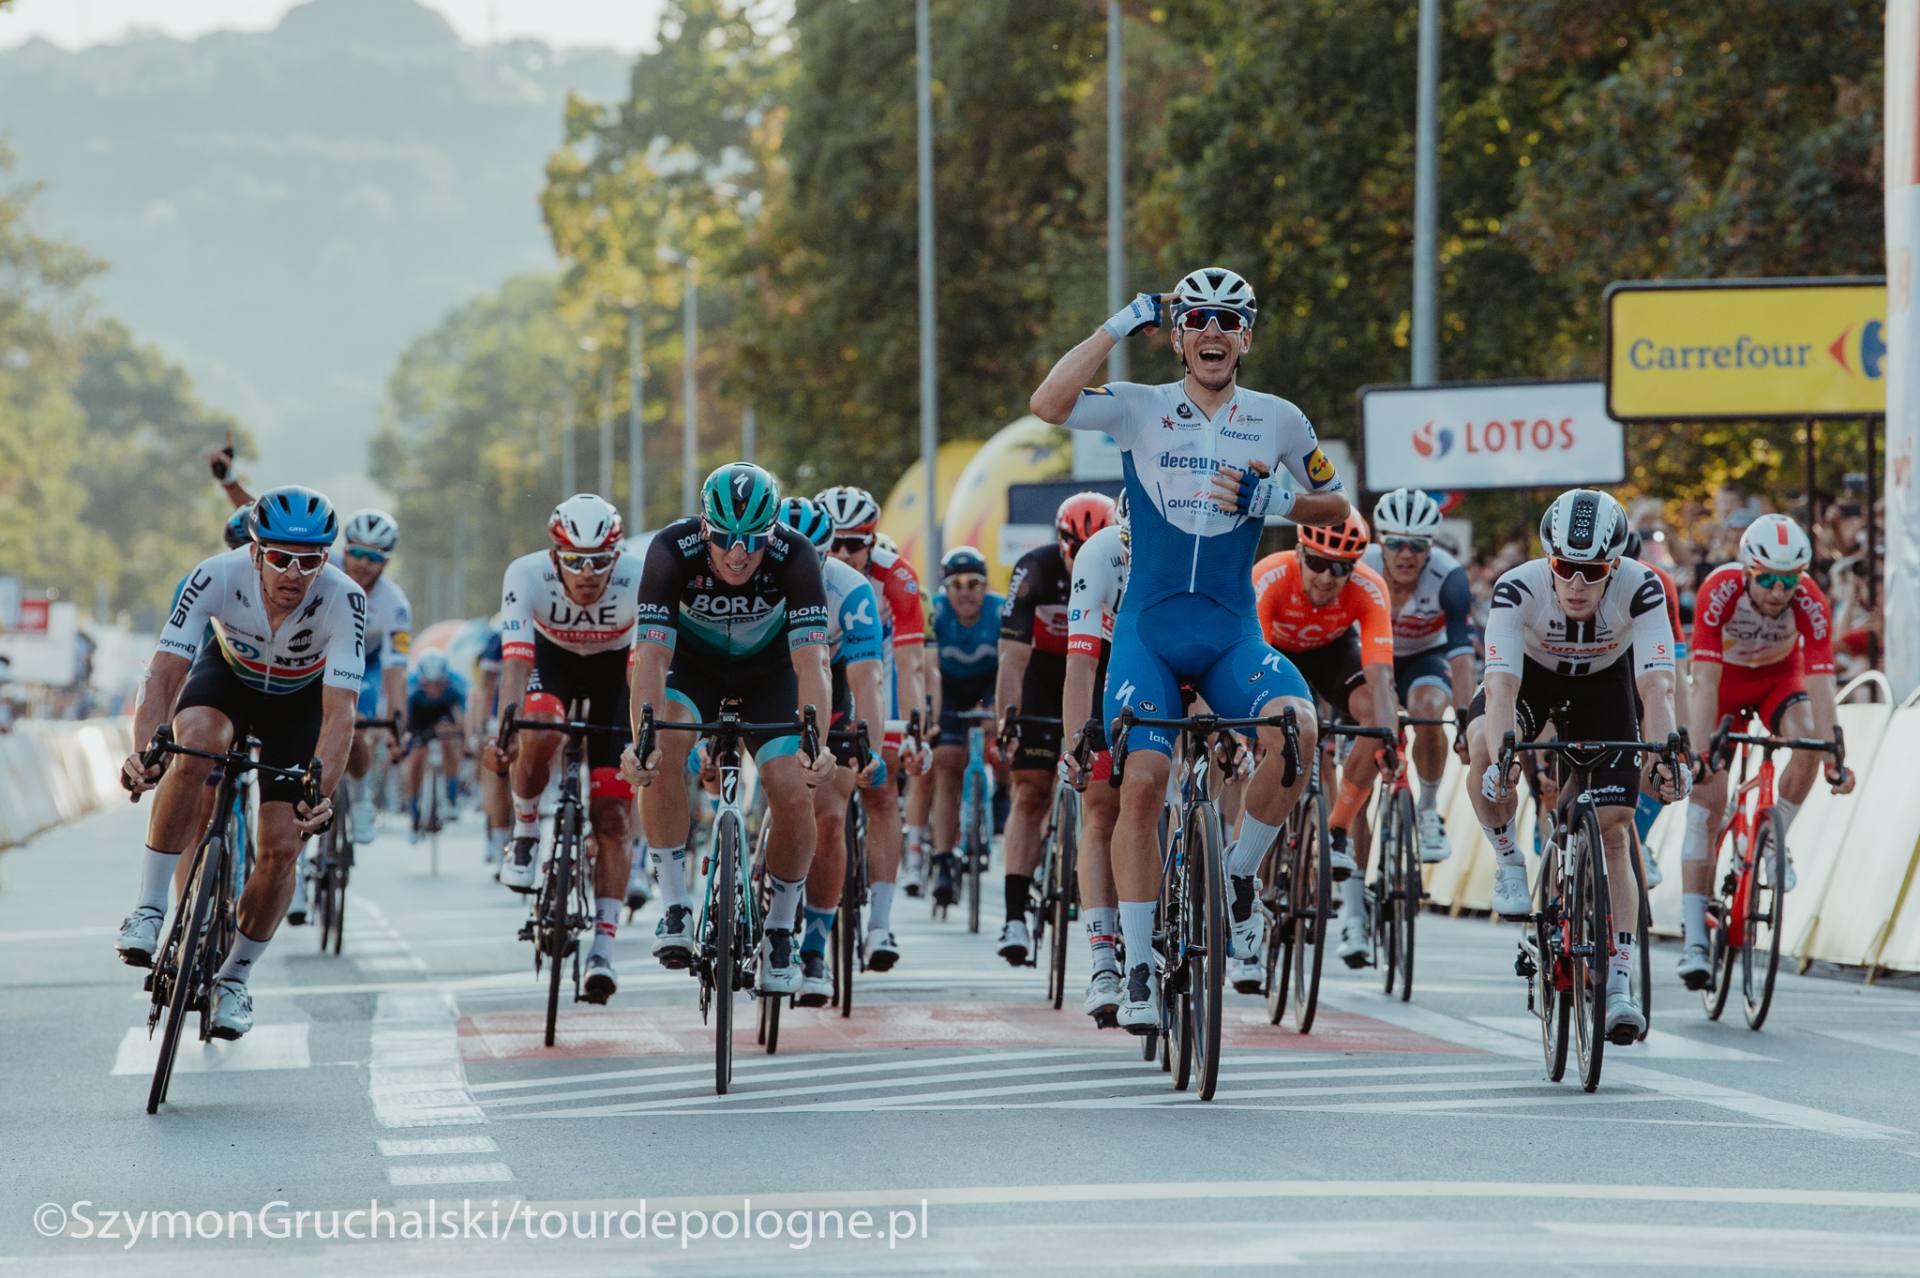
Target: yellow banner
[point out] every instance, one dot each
(1734, 350)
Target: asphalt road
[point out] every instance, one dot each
(402, 1087)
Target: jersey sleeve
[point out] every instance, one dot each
(903, 600)
(656, 614)
(1652, 631)
(1375, 615)
(1113, 408)
(399, 633)
(861, 637)
(1269, 592)
(1302, 456)
(1513, 598)
(489, 660)
(347, 641)
(1456, 602)
(192, 610)
(1711, 608)
(1814, 617)
(806, 593)
(1023, 599)
(1087, 607)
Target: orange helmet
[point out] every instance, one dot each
(1084, 514)
(1347, 540)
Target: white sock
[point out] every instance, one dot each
(917, 837)
(1429, 795)
(785, 910)
(1620, 966)
(241, 958)
(670, 864)
(1353, 897)
(1694, 849)
(1102, 923)
(1788, 810)
(880, 912)
(1136, 927)
(1693, 918)
(1505, 850)
(526, 817)
(1256, 836)
(156, 878)
(606, 922)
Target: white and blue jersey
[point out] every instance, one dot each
(1432, 624)
(1188, 612)
(856, 631)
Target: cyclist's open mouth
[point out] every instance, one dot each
(1212, 355)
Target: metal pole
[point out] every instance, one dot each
(636, 446)
(929, 381)
(540, 428)
(690, 398)
(1813, 494)
(749, 434)
(606, 433)
(569, 470)
(1116, 186)
(459, 600)
(1426, 200)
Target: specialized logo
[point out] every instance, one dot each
(1430, 440)
(1125, 693)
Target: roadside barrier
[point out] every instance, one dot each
(53, 771)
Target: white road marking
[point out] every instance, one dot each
(448, 1174)
(438, 1145)
(266, 1047)
(1904, 1041)
(413, 1033)
(783, 1066)
(1660, 1046)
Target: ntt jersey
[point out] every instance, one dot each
(1728, 629)
(1437, 612)
(1292, 622)
(533, 601)
(1182, 544)
(968, 652)
(324, 638)
(681, 600)
(854, 631)
(1099, 580)
(1526, 620)
(389, 617)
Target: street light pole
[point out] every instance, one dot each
(1116, 187)
(1426, 199)
(636, 446)
(929, 380)
(690, 396)
(606, 434)
(749, 434)
(569, 471)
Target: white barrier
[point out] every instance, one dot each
(52, 771)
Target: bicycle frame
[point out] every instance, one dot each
(1748, 797)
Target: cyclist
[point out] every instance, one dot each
(1032, 675)
(369, 538)
(1432, 641)
(856, 516)
(854, 647)
(1205, 462)
(1649, 807)
(567, 622)
(1099, 580)
(483, 712)
(436, 703)
(1330, 615)
(966, 636)
(285, 666)
(1573, 637)
(1762, 646)
(732, 606)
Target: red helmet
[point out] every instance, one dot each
(1347, 540)
(1084, 514)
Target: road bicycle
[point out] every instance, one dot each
(562, 908)
(1743, 915)
(329, 866)
(729, 928)
(1564, 954)
(206, 920)
(975, 844)
(1190, 934)
(1397, 889)
(1056, 887)
(428, 821)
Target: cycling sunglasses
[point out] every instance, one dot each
(1320, 563)
(853, 545)
(371, 556)
(1590, 572)
(967, 581)
(287, 560)
(1418, 545)
(596, 562)
(1777, 580)
(722, 540)
(1196, 320)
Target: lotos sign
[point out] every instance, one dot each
(1490, 435)
(1699, 350)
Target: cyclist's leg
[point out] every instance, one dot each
(610, 809)
(451, 758)
(1035, 760)
(1249, 678)
(1532, 705)
(1424, 683)
(413, 769)
(1789, 713)
(360, 756)
(1099, 904)
(691, 698)
(1140, 678)
(827, 875)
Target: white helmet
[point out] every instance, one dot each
(1774, 543)
(853, 510)
(432, 667)
(1585, 525)
(1406, 512)
(1215, 286)
(373, 529)
(585, 522)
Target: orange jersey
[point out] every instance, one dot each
(1290, 621)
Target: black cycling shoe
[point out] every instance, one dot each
(943, 886)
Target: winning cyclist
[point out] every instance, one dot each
(856, 517)
(732, 607)
(1205, 464)
(1572, 637)
(1329, 614)
(285, 665)
(1432, 641)
(369, 538)
(436, 704)
(567, 620)
(1032, 675)
(854, 647)
(1762, 646)
(966, 636)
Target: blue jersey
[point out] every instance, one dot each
(968, 652)
(453, 696)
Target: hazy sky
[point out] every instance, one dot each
(627, 25)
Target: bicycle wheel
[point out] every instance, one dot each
(1280, 921)
(1555, 1008)
(1206, 926)
(1760, 939)
(189, 986)
(1587, 921)
(1056, 907)
(846, 923)
(726, 852)
(1408, 889)
(556, 898)
(1174, 975)
(1312, 911)
(976, 855)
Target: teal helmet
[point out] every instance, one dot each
(806, 517)
(740, 499)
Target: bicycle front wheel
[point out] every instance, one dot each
(555, 901)
(1206, 925)
(1280, 920)
(189, 986)
(727, 842)
(976, 854)
(1312, 911)
(1409, 890)
(1587, 922)
(1056, 907)
(1766, 890)
(1175, 975)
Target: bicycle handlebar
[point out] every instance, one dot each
(1206, 725)
(728, 725)
(862, 743)
(1723, 736)
(1674, 750)
(1389, 738)
(235, 760)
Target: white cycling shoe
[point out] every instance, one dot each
(883, 951)
(139, 936)
(1103, 996)
(1247, 943)
(1140, 1007)
(1340, 862)
(1356, 946)
(816, 980)
(1434, 847)
(602, 983)
(232, 1009)
(1696, 968)
(522, 864)
(363, 821)
(1015, 942)
(1510, 896)
(673, 936)
(1625, 1021)
(779, 968)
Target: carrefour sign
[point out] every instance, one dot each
(1698, 350)
(1490, 435)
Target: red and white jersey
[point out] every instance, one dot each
(1728, 629)
(899, 589)
(1099, 580)
(534, 602)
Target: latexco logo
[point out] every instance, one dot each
(1430, 440)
